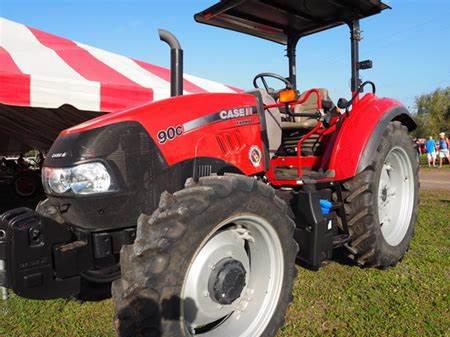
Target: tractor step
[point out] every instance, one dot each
(291, 173)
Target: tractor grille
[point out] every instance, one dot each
(135, 163)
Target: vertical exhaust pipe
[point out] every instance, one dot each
(176, 62)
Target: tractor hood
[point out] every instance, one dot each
(149, 149)
(185, 119)
(175, 110)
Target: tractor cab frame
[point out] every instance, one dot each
(286, 22)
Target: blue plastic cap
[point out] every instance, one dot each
(325, 206)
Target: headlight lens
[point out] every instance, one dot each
(87, 178)
(57, 179)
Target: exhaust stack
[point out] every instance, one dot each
(176, 62)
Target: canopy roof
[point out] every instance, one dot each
(49, 83)
(43, 70)
(276, 20)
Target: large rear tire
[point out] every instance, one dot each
(381, 202)
(215, 259)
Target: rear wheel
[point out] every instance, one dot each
(26, 185)
(215, 259)
(381, 202)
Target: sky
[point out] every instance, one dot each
(409, 45)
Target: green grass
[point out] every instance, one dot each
(412, 299)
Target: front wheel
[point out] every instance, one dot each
(215, 259)
(381, 202)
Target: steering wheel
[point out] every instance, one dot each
(263, 76)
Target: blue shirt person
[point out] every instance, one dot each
(430, 145)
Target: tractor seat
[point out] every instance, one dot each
(274, 117)
(309, 106)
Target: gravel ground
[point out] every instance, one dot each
(435, 178)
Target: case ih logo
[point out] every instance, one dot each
(236, 113)
(59, 155)
(255, 155)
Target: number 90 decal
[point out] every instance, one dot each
(169, 134)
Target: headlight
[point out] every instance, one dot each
(81, 179)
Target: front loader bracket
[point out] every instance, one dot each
(31, 246)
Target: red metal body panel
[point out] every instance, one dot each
(355, 132)
(344, 146)
(228, 139)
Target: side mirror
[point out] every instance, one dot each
(367, 64)
(342, 103)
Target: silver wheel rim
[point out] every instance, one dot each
(253, 242)
(396, 196)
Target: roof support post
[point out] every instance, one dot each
(291, 54)
(355, 37)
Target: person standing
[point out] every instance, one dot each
(418, 149)
(443, 149)
(430, 147)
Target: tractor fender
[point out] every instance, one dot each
(400, 114)
(360, 134)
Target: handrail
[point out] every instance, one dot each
(299, 147)
(300, 101)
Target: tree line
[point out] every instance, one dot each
(433, 113)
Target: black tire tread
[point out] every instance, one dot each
(142, 308)
(359, 193)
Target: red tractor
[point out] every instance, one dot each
(192, 211)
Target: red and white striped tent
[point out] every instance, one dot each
(48, 83)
